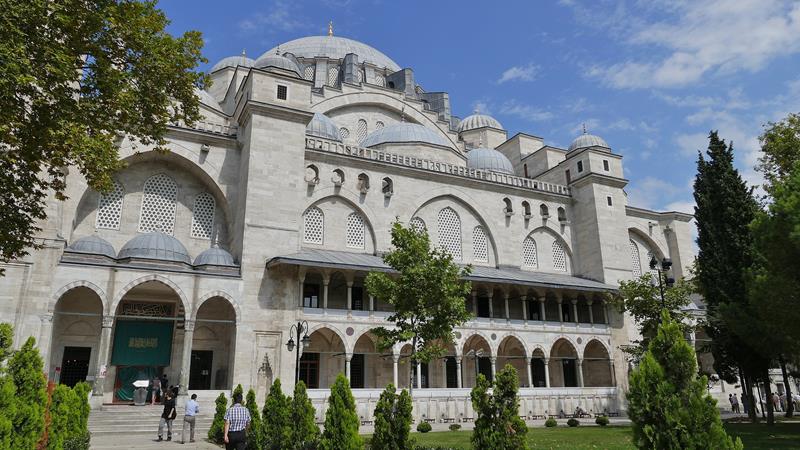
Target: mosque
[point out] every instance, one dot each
(273, 208)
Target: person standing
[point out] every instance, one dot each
(730, 400)
(156, 391)
(192, 409)
(736, 404)
(167, 416)
(237, 419)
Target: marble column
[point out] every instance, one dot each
(613, 374)
(494, 366)
(579, 371)
(491, 305)
(102, 355)
(186, 356)
(591, 313)
(560, 310)
(542, 311)
(505, 303)
(395, 360)
(419, 375)
(326, 280)
(530, 371)
(574, 302)
(347, 358)
(444, 373)
(605, 313)
(371, 305)
(525, 309)
(302, 279)
(459, 374)
(547, 372)
(475, 303)
(349, 297)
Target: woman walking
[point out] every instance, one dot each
(167, 416)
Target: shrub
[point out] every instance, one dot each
(254, 431)
(25, 368)
(497, 421)
(215, 433)
(454, 427)
(305, 432)
(238, 390)
(550, 423)
(573, 422)
(78, 442)
(392, 421)
(341, 420)
(277, 418)
(61, 403)
(424, 427)
(601, 420)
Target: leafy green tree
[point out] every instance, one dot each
(641, 298)
(25, 368)
(393, 421)
(216, 432)
(237, 390)
(7, 390)
(667, 401)
(75, 77)
(62, 416)
(780, 146)
(497, 422)
(305, 432)
(427, 294)
(6, 339)
(277, 419)
(254, 431)
(341, 420)
(79, 432)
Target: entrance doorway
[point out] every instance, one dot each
(75, 365)
(200, 370)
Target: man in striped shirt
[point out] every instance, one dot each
(237, 419)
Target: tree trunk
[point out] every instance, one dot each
(789, 402)
(413, 366)
(747, 391)
(768, 395)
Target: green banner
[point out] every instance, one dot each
(141, 343)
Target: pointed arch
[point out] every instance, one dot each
(187, 306)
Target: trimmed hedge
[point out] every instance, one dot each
(550, 423)
(601, 420)
(424, 427)
(573, 422)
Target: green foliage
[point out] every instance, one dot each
(237, 390)
(454, 427)
(427, 294)
(550, 423)
(74, 78)
(255, 431)
(341, 420)
(780, 147)
(25, 368)
(81, 407)
(497, 422)
(6, 339)
(572, 422)
(424, 427)
(277, 419)
(393, 420)
(7, 410)
(668, 403)
(601, 420)
(62, 416)
(216, 431)
(305, 432)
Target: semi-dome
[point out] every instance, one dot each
(278, 61)
(403, 132)
(334, 47)
(233, 61)
(207, 99)
(587, 140)
(323, 127)
(93, 245)
(489, 159)
(478, 120)
(155, 245)
(214, 256)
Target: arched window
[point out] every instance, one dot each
(338, 177)
(344, 133)
(387, 187)
(109, 208)
(559, 257)
(480, 245)
(203, 217)
(363, 183)
(544, 211)
(526, 209)
(355, 231)
(313, 226)
(158, 205)
(562, 215)
(417, 224)
(361, 130)
(380, 80)
(450, 232)
(312, 175)
(636, 262)
(509, 207)
(529, 257)
(333, 76)
(379, 124)
(308, 72)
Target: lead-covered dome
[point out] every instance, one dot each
(155, 246)
(334, 47)
(323, 127)
(214, 256)
(404, 132)
(233, 61)
(478, 120)
(92, 245)
(279, 61)
(588, 140)
(489, 160)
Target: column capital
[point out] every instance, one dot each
(396, 357)
(458, 359)
(350, 283)
(579, 362)
(546, 361)
(493, 359)
(47, 318)
(108, 321)
(589, 302)
(541, 299)
(528, 360)
(188, 325)
(574, 301)
(559, 299)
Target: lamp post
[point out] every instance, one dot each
(300, 328)
(475, 354)
(666, 264)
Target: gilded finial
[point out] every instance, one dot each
(584, 127)
(244, 54)
(330, 28)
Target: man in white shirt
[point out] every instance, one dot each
(192, 409)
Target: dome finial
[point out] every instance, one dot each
(244, 54)
(278, 50)
(584, 127)
(330, 28)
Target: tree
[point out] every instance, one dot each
(62, 417)
(341, 420)
(7, 403)
(305, 432)
(79, 436)
(238, 390)
(641, 298)
(75, 77)
(393, 421)
(780, 146)
(216, 431)
(254, 431)
(25, 368)
(668, 403)
(497, 422)
(427, 293)
(277, 419)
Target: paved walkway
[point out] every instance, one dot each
(135, 441)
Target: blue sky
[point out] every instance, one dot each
(651, 77)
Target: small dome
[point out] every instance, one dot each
(155, 246)
(402, 132)
(476, 121)
(274, 60)
(233, 61)
(214, 256)
(587, 140)
(488, 159)
(322, 126)
(207, 99)
(93, 245)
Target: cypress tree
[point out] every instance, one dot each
(668, 403)
(276, 424)
(7, 404)
(216, 432)
(254, 432)
(305, 432)
(393, 420)
(402, 420)
(238, 390)
(341, 420)
(497, 422)
(30, 400)
(62, 416)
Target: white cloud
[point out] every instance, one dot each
(653, 193)
(525, 112)
(281, 17)
(519, 73)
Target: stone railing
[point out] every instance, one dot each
(434, 166)
(210, 127)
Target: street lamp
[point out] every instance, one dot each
(666, 264)
(475, 354)
(300, 328)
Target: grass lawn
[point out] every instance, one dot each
(756, 437)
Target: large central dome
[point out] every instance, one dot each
(334, 47)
